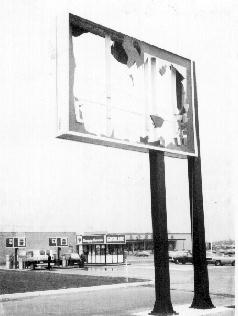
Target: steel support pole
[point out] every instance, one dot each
(15, 257)
(201, 298)
(163, 305)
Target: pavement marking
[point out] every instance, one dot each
(14, 296)
(185, 310)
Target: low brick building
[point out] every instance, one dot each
(61, 242)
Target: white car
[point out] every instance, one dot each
(222, 259)
(174, 254)
(142, 254)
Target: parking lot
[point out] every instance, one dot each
(126, 300)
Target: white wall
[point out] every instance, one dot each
(51, 184)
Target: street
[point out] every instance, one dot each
(127, 300)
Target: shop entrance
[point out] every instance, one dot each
(103, 254)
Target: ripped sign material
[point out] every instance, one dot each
(128, 52)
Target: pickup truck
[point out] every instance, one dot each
(39, 258)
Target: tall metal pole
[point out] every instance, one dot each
(201, 298)
(163, 305)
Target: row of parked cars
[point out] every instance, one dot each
(45, 258)
(219, 259)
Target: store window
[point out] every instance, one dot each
(103, 250)
(120, 249)
(112, 250)
(85, 249)
(97, 250)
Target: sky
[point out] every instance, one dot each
(52, 184)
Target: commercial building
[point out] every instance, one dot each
(60, 242)
(144, 241)
(99, 248)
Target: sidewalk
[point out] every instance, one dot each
(117, 300)
(15, 296)
(185, 310)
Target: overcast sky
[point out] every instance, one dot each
(58, 185)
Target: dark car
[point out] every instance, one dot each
(185, 257)
(73, 259)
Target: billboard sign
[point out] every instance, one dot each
(117, 91)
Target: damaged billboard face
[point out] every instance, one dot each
(126, 93)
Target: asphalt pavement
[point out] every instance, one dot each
(127, 300)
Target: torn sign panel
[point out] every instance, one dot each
(133, 51)
(157, 120)
(179, 90)
(77, 30)
(128, 52)
(119, 53)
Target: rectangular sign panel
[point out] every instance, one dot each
(15, 242)
(115, 239)
(79, 240)
(93, 239)
(9, 242)
(123, 92)
(58, 241)
(52, 242)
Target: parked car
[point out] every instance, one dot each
(222, 259)
(184, 257)
(73, 259)
(142, 254)
(174, 254)
(210, 256)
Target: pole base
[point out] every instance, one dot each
(201, 302)
(163, 313)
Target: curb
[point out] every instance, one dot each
(14, 296)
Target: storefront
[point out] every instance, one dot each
(140, 241)
(103, 249)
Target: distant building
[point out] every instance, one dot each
(144, 241)
(99, 248)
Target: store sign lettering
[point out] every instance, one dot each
(115, 239)
(93, 239)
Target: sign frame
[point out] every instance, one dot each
(58, 242)
(63, 93)
(15, 242)
(93, 239)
